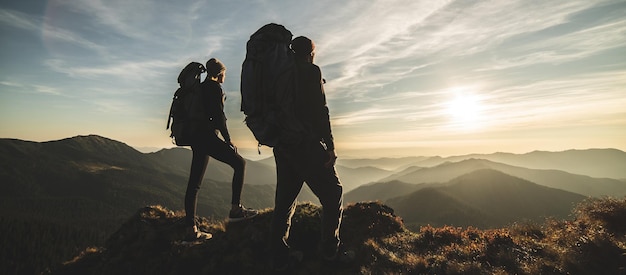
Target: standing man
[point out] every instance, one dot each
(311, 161)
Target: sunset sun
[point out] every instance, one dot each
(465, 108)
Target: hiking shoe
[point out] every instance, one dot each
(241, 214)
(193, 234)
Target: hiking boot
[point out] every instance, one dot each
(338, 254)
(193, 234)
(241, 214)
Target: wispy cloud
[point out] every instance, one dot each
(10, 84)
(20, 20)
(363, 116)
(131, 70)
(33, 88)
(52, 33)
(559, 101)
(47, 89)
(132, 19)
(570, 47)
(377, 54)
(37, 25)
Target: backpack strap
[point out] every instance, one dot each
(169, 117)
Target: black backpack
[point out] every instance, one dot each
(186, 112)
(268, 87)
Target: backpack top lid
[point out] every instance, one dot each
(273, 32)
(191, 70)
(266, 38)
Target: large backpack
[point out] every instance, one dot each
(268, 87)
(186, 113)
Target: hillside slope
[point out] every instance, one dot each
(484, 198)
(101, 173)
(149, 243)
(179, 160)
(580, 184)
(598, 163)
(60, 196)
(382, 191)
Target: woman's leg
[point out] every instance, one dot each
(199, 163)
(221, 151)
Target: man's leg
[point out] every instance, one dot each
(325, 183)
(288, 186)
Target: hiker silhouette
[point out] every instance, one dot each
(312, 161)
(205, 143)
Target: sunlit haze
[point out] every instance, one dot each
(409, 78)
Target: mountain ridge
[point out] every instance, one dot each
(576, 161)
(484, 198)
(581, 184)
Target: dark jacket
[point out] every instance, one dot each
(213, 103)
(311, 108)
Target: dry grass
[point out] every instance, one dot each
(593, 242)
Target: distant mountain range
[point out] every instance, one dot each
(434, 195)
(470, 199)
(581, 184)
(110, 174)
(92, 184)
(483, 198)
(114, 176)
(598, 163)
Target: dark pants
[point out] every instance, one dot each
(204, 148)
(297, 165)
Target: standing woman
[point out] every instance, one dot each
(206, 144)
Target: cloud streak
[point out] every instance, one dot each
(434, 35)
(32, 88)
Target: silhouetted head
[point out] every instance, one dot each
(303, 47)
(214, 67)
(216, 70)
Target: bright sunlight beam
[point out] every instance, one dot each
(464, 108)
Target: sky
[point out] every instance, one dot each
(403, 78)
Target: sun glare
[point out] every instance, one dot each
(464, 108)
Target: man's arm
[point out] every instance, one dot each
(323, 114)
